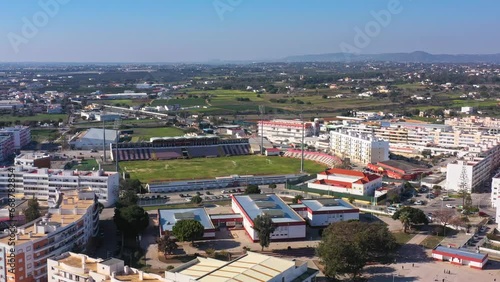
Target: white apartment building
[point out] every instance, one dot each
(358, 147)
(68, 226)
(495, 193)
(20, 134)
(423, 135)
(282, 130)
(69, 267)
(472, 171)
(6, 147)
(45, 183)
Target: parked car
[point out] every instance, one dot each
(181, 195)
(419, 203)
(450, 206)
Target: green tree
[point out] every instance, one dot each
(264, 226)
(252, 189)
(463, 193)
(272, 186)
(409, 216)
(196, 199)
(346, 247)
(166, 244)
(132, 185)
(351, 199)
(32, 212)
(297, 198)
(188, 230)
(131, 221)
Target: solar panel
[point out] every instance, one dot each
(265, 204)
(328, 202)
(184, 215)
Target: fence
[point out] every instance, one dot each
(368, 199)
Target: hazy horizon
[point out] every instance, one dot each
(121, 31)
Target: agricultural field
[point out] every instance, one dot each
(187, 102)
(128, 103)
(143, 134)
(39, 117)
(206, 168)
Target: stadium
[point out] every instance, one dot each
(167, 148)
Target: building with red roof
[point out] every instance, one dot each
(347, 181)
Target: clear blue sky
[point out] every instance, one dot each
(193, 30)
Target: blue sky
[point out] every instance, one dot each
(194, 30)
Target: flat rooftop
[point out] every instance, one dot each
(461, 252)
(249, 268)
(168, 218)
(258, 204)
(403, 165)
(327, 204)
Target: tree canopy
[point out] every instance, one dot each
(409, 216)
(252, 189)
(32, 212)
(131, 220)
(297, 198)
(196, 199)
(188, 230)
(346, 247)
(264, 226)
(166, 244)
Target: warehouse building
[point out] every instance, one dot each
(289, 224)
(93, 139)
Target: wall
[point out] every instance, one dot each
(326, 219)
(327, 188)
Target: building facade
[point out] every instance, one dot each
(20, 134)
(359, 147)
(6, 147)
(289, 224)
(347, 181)
(282, 130)
(45, 184)
(33, 160)
(73, 267)
(65, 227)
(323, 212)
(473, 171)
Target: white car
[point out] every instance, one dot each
(419, 203)
(450, 206)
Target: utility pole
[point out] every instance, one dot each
(117, 129)
(303, 136)
(262, 112)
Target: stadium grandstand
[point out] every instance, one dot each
(318, 157)
(167, 148)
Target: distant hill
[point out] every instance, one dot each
(414, 57)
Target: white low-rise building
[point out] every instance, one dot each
(347, 181)
(323, 212)
(289, 224)
(281, 130)
(93, 139)
(73, 267)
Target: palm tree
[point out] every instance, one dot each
(405, 219)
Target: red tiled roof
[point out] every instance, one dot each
(334, 183)
(364, 177)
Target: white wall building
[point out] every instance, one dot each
(72, 267)
(323, 212)
(66, 227)
(473, 171)
(249, 267)
(289, 224)
(282, 130)
(347, 181)
(93, 139)
(45, 183)
(21, 135)
(359, 147)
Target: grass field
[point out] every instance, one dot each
(188, 102)
(146, 133)
(87, 164)
(44, 135)
(39, 117)
(206, 168)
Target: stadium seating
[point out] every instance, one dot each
(319, 157)
(206, 151)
